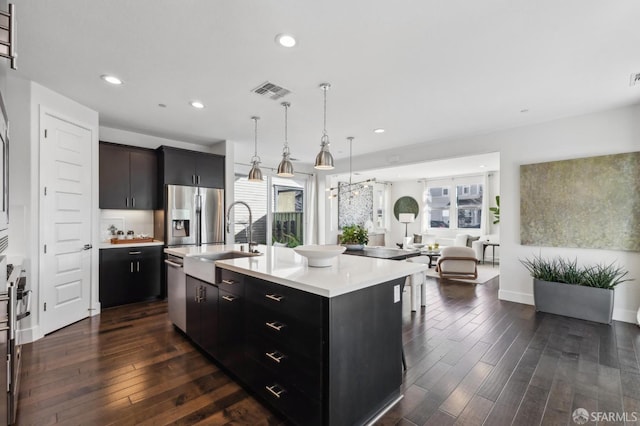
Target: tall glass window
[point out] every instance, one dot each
(439, 207)
(469, 205)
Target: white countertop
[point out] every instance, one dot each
(106, 245)
(346, 274)
(186, 251)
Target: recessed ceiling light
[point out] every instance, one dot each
(112, 79)
(196, 104)
(378, 131)
(285, 40)
(482, 166)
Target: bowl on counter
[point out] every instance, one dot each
(319, 256)
(418, 245)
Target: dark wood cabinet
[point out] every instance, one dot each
(317, 360)
(128, 177)
(129, 275)
(191, 168)
(202, 314)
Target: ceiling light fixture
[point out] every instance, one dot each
(324, 159)
(285, 168)
(350, 189)
(378, 131)
(196, 104)
(255, 174)
(111, 79)
(285, 40)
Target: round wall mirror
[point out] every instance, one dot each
(406, 205)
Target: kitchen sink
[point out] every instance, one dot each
(202, 266)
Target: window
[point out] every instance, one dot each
(465, 204)
(288, 215)
(469, 206)
(439, 207)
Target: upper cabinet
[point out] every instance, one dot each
(128, 177)
(191, 168)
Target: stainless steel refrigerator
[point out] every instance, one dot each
(194, 216)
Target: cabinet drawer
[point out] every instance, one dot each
(231, 281)
(294, 369)
(288, 400)
(287, 331)
(304, 307)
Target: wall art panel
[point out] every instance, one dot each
(587, 202)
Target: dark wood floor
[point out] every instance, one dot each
(472, 360)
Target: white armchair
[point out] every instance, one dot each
(478, 246)
(457, 262)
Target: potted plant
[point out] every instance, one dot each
(562, 287)
(354, 237)
(496, 211)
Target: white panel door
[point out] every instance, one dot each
(65, 274)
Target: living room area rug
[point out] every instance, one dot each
(485, 273)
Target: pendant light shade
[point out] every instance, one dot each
(255, 174)
(324, 159)
(285, 168)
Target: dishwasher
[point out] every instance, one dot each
(177, 291)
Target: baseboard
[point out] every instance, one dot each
(29, 335)
(625, 315)
(516, 296)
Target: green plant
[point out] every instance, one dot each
(354, 234)
(567, 271)
(496, 210)
(289, 239)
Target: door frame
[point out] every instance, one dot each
(38, 194)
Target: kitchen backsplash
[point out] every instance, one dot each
(138, 221)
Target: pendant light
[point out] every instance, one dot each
(324, 159)
(255, 174)
(285, 168)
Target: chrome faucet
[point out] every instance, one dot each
(250, 237)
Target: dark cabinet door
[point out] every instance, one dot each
(202, 314)
(210, 170)
(128, 177)
(114, 177)
(209, 319)
(193, 308)
(147, 269)
(143, 172)
(114, 278)
(231, 331)
(129, 275)
(179, 167)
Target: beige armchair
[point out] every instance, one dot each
(457, 262)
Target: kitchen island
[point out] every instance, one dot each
(321, 345)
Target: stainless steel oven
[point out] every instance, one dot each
(14, 305)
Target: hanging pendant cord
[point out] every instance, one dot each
(286, 136)
(325, 110)
(350, 150)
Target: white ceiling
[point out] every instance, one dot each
(471, 165)
(423, 70)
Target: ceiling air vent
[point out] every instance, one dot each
(635, 79)
(272, 91)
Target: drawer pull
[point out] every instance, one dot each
(275, 390)
(277, 326)
(229, 298)
(276, 356)
(228, 282)
(275, 297)
(135, 252)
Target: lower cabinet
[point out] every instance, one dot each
(129, 275)
(316, 360)
(202, 314)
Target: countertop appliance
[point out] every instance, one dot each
(194, 215)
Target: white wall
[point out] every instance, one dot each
(609, 132)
